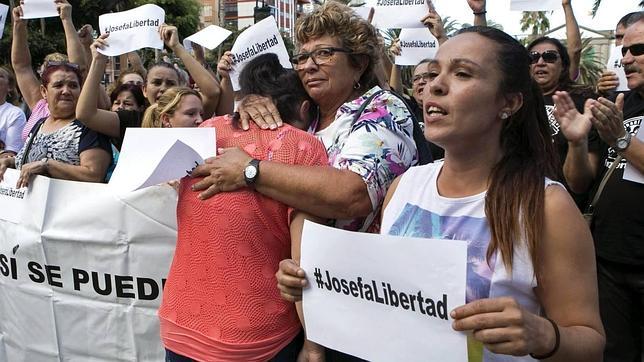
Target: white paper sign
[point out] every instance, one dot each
(209, 37)
(150, 156)
(263, 37)
(535, 5)
(132, 29)
(398, 13)
(630, 172)
(416, 45)
(4, 11)
(12, 200)
(381, 297)
(36, 9)
(615, 65)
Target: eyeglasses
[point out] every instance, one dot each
(421, 76)
(319, 56)
(67, 64)
(635, 49)
(549, 56)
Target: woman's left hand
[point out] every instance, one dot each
(504, 327)
(224, 172)
(29, 170)
(477, 6)
(170, 36)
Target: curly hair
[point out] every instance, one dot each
(355, 33)
(167, 104)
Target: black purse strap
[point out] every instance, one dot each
(34, 132)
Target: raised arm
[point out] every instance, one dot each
(434, 23)
(478, 9)
(75, 50)
(208, 85)
(87, 112)
(135, 63)
(395, 79)
(227, 98)
(21, 60)
(573, 39)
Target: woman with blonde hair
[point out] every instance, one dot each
(177, 107)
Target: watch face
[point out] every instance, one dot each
(622, 144)
(250, 172)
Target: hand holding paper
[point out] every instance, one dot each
(132, 29)
(170, 36)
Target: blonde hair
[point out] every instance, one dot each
(355, 33)
(166, 104)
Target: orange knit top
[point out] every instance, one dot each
(220, 302)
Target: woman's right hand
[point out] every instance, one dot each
(260, 110)
(290, 280)
(225, 65)
(434, 23)
(574, 125)
(99, 43)
(17, 15)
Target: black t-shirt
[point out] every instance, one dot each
(127, 119)
(561, 143)
(618, 225)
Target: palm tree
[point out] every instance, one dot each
(590, 66)
(536, 21)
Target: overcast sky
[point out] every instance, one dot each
(499, 11)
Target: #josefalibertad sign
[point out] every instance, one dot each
(382, 297)
(132, 29)
(416, 45)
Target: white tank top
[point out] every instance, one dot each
(416, 209)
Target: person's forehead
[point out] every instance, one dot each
(63, 75)
(131, 77)
(620, 29)
(634, 34)
(162, 73)
(421, 68)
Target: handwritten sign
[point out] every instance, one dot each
(209, 37)
(535, 5)
(398, 13)
(615, 65)
(36, 9)
(382, 297)
(416, 45)
(263, 37)
(132, 30)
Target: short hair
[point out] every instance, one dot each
(355, 33)
(132, 88)
(12, 94)
(55, 57)
(631, 18)
(264, 75)
(125, 72)
(166, 104)
(64, 66)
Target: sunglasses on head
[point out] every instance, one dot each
(549, 56)
(68, 64)
(635, 49)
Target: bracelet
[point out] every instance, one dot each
(557, 341)
(480, 12)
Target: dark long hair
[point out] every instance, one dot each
(132, 88)
(264, 75)
(514, 204)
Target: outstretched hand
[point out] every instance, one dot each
(64, 9)
(99, 43)
(170, 36)
(477, 6)
(608, 119)
(574, 125)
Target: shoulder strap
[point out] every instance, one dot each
(365, 104)
(603, 182)
(34, 132)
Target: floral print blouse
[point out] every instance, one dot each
(378, 146)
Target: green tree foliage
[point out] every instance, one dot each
(590, 66)
(536, 21)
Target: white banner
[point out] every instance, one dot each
(11, 198)
(614, 64)
(209, 37)
(398, 13)
(381, 297)
(4, 11)
(132, 29)
(535, 5)
(81, 275)
(416, 45)
(36, 9)
(630, 172)
(263, 37)
(150, 156)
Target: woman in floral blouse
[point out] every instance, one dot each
(337, 60)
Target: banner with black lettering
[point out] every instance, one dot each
(390, 14)
(81, 272)
(263, 37)
(132, 29)
(416, 45)
(382, 297)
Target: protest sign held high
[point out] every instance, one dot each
(4, 10)
(374, 299)
(36, 9)
(263, 37)
(398, 13)
(416, 45)
(75, 286)
(132, 30)
(534, 5)
(209, 38)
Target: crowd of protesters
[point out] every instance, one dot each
(498, 138)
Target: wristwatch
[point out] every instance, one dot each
(251, 172)
(621, 144)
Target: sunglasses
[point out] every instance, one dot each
(549, 56)
(66, 64)
(635, 49)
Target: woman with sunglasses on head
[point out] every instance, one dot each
(59, 145)
(28, 83)
(531, 286)
(367, 132)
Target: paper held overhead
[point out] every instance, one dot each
(4, 11)
(535, 5)
(415, 46)
(150, 156)
(209, 37)
(132, 29)
(36, 9)
(398, 13)
(261, 38)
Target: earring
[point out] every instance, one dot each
(504, 115)
(356, 85)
